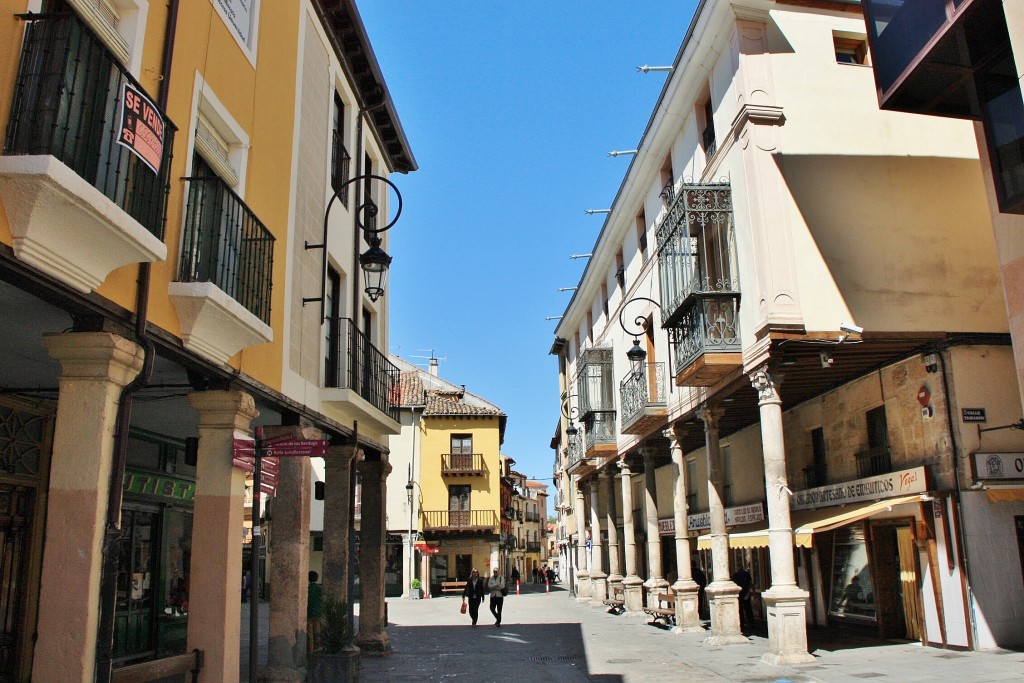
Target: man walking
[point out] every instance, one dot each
(496, 587)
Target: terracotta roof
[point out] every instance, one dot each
(410, 389)
(448, 403)
(536, 485)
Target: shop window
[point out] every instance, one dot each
(852, 590)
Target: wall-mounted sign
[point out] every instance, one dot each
(142, 127)
(998, 466)
(239, 15)
(973, 414)
(878, 487)
(743, 514)
(159, 485)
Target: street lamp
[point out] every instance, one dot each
(412, 548)
(570, 411)
(636, 355)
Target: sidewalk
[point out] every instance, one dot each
(552, 638)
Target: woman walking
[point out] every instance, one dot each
(496, 587)
(474, 590)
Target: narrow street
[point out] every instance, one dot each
(552, 638)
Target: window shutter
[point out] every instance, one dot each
(103, 18)
(213, 148)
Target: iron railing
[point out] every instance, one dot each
(533, 546)
(362, 367)
(696, 249)
(641, 389)
(532, 516)
(226, 244)
(67, 103)
(711, 326)
(599, 429)
(708, 138)
(463, 463)
(340, 163)
(594, 381)
(460, 519)
(874, 461)
(575, 455)
(815, 475)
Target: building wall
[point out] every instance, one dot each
(486, 491)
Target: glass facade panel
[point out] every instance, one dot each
(853, 593)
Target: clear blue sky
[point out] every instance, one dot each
(510, 107)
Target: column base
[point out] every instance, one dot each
(583, 589)
(725, 614)
(599, 589)
(633, 596)
(375, 645)
(687, 607)
(786, 609)
(653, 587)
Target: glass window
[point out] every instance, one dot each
(462, 444)
(853, 593)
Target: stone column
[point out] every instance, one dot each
(289, 565)
(372, 638)
(215, 607)
(95, 366)
(686, 589)
(632, 585)
(614, 568)
(495, 561)
(598, 579)
(723, 594)
(785, 602)
(582, 575)
(337, 520)
(655, 583)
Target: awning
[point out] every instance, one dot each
(806, 523)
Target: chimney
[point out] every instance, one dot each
(433, 366)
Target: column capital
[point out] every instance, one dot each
(593, 485)
(605, 474)
(624, 468)
(95, 356)
(711, 415)
(221, 409)
(344, 453)
(379, 469)
(767, 385)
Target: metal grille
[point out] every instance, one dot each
(340, 163)
(224, 243)
(67, 103)
(20, 447)
(594, 381)
(710, 326)
(599, 429)
(16, 510)
(874, 461)
(641, 389)
(363, 368)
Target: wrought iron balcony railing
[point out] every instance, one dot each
(532, 516)
(533, 546)
(599, 429)
(460, 520)
(67, 104)
(226, 244)
(340, 163)
(576, 453)
(594, 381)
(463, 463)
(874, 461)
(641, 390)
(362, 367)
(711, 326)
(815, 475)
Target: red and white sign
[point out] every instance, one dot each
(142, 127)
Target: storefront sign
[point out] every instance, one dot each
(666, 527)
(159, 485)
(239, 14)
(870, 488)
(743, 514)
(998, 466)
(973, 414)
(142, 127)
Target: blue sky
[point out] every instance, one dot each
(510, 107)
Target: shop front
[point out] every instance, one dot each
(151, 616)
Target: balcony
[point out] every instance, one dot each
(874, 461)
(599, 433)
(533, 546)
(642, 399)
(361, 380)
(80, 203)
(222, 293)
(700, 284)
(815, 475)
(465, 464)
(460, 522)
(532, 516)
(575, 454)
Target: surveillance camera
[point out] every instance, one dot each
(850, 328)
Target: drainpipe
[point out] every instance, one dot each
(112, 534)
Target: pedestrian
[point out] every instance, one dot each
(474, 593)
(514, 576)
(697, 574)
(743, 579)
(496, 587)
(314, 613)
(535, 574)
(551, 575)
(245, 586)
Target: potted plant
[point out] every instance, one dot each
(337, 659)
(414, 589)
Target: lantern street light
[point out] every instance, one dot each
(570, 411)
(636, 355)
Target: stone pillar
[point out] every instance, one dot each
(686, 589)
(289, 566)
(95, 366)
(632, 585)
(614, 568)
(372, 638)
(495, 561)
(337, 520)
(655, 583)
(215, 607)
(785, 602)
(582, 575)
(598, 579)
(723, 594)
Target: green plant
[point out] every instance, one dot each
(336, 630)
(415, 584)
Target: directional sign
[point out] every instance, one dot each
(243, 447)
(297, 448)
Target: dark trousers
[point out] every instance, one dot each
(496, 605)
(474, 609)
(746, 613)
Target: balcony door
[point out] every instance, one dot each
(458, 505)
(461, 452)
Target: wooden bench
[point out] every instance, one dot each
(449, 587)
(190, 662)
(666, 609)
(616, 600)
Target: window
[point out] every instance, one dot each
(641, 233)
(850, 50)
(691, 485)
(462, 444)
(242, 20)
(667, 178)
(707, 137)
(332, 329)
(340, 158)
(817, 472)
(620, 271)
(604, 299)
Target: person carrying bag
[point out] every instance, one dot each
(474, 592)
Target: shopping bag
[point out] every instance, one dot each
(462, 610)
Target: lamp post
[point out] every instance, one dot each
(570, 411)
(412, 547)
(636, 355)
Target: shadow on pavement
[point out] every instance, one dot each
(527, 652)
